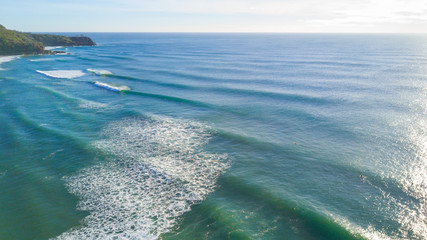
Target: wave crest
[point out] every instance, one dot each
(110, 86)
(99, 72)
(63, 73)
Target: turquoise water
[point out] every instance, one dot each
(216, 136)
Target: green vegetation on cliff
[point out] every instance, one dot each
(14, 42)
(51, 40)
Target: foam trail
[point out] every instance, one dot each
(93, 105)
(62, 73)
(111, 87)
(100, 72)
(158, 170)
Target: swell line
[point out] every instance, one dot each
(275, 95)
(169, 98)
(317, 225)
(174, 85)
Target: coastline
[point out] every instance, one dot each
(15, 42)
(48, 51)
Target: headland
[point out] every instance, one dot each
(17, 43)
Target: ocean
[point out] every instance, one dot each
(216, 136)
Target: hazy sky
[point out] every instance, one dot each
(215, 15)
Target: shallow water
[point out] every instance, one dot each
(216, 136)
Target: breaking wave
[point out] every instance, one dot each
(157, 170)
(111, 87)
(100, 72)
(43, 60)
(7, 58)
(62, 73)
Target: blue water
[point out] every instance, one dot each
(216, 136)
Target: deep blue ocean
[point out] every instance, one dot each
(216, 136)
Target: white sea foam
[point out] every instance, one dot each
(42, 60)
(7, 59)
(111, 87)
(157, 171)
(99, 71)
(63, 73)
(93, 105)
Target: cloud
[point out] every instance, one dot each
(310, 12)
(246, 15)
(373, 16)
(267, 7)
(277, 7)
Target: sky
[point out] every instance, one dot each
(320, 16)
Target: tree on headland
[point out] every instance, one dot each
(14, 42)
